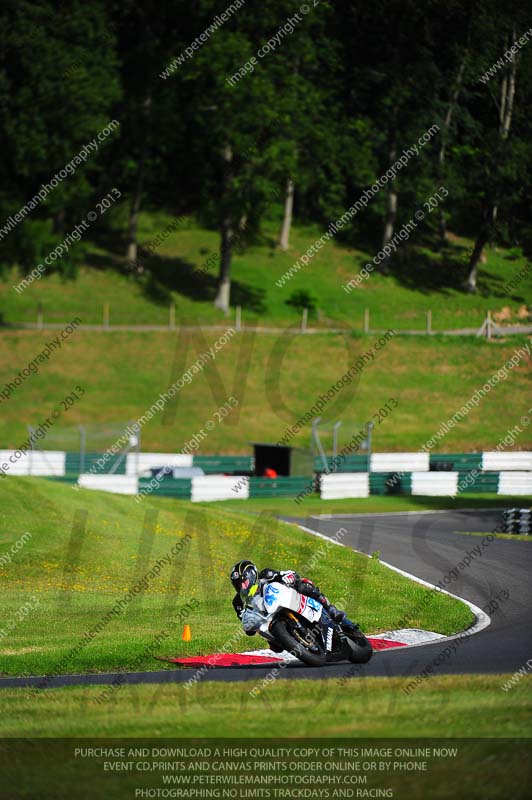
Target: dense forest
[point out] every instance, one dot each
(223, 110)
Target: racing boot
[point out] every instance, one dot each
(341, 617)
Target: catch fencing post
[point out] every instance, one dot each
(366, 320)
(429, 321)
(238, 318)
(106, 315)
(304, 319)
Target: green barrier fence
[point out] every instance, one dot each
(75, 464)
(380, 483)
(482, 482)
(221, 464)
(241, 464)
(352, 463)
(390, 483)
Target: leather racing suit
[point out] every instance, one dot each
(293, 580)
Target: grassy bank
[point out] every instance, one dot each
(275, 379)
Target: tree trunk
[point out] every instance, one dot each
(59, 221)
(284, 238)
(481, 240)
(391, 209)
(443, 146)
(391, 216)
(505, 121)
(507, 98)
(131, 251)
(443, 226)
(223, 296)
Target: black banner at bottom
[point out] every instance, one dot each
(269, 769)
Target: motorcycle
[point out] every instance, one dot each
(292, 621)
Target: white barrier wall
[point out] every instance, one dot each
(438, 484)
(399, 462)
(344, 484)
(137, 463)
(219, 487)
(515, 483)
(498, 462)
(34, 462)
(118, 484)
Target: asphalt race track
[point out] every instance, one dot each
(424, 544)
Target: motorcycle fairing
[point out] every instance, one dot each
(277, 596)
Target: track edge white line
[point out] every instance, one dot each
(482, 620)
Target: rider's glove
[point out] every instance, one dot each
(251, 621)
(289, 578)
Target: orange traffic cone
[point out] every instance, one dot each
(187, 635)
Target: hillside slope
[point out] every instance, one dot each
(276, 380)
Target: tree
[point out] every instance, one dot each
(497, 137)
(148, 39)
(58, 83)
(241, 155)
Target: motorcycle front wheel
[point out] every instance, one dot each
(302, 646)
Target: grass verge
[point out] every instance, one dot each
(512, 536)
(375, 504)
(450, 706)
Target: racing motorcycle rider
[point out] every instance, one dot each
(247, 581)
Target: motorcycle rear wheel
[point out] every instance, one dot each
(281, 631)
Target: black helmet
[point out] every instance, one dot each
(245, 577)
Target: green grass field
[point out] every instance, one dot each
(467, 706)
(276, 380)
(515, 536)
(469, 714)
(87, 549)
(432, 281)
